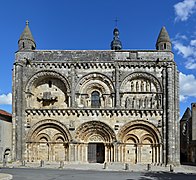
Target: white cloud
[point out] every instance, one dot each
(193, 42)
(187, 86)
(184, 9)
(6, 99)
(187, 50)
(183, 98)
(191, 64)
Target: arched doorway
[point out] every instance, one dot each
(48, 140)
(140, 143)
(96, 152)
(96, 142)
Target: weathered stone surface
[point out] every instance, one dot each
(96, 106)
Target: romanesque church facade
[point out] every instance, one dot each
(96, 105)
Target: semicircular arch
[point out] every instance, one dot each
(141, 75)
(132, 137)
(43, 136)
(93, 80)
(39, 76)
(137, 125)
(90, 128)
(48, 123)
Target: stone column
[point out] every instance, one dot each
(79, 152)
(66, 152)
(161, 154)
(76, 152)
(153, 153)
(116, 159)
(107, 155)
(112, 153)
(158, 154)
(123, 153)
(119, 153)
(85, 152)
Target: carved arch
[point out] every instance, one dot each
(90, 128)
(140, 124)
(142, 75)
(48, 123)
(94, 79)
(58, 136)
(43, 135)
(37, 77)
(147, 137)
(133, 137)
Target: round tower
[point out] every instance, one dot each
(163, 41)
(116, 43)
(26, 41)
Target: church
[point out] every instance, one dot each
(96, 106)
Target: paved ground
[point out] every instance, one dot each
(68, 174)
(112, 171)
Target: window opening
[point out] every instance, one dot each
(165, 47)
(95, 99)
(50, 84)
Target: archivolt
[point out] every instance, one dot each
(87, 129)
(48, 123)
(45, 74)
(140, 124)
(142, 75)
(95, 79)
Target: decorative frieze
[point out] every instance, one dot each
(99, 65)
(92, 112)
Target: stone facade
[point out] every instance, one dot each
(188, 135)
(95, 105)
(5, 136)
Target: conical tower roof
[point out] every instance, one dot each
(27, 35)
(163, 36)
(187, 115)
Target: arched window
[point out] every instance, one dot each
(95, 99)
(50, 84)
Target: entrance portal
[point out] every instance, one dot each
(96, 153)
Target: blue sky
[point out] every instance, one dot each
(88, 24)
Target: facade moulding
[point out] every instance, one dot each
(104, 65)
(93, 112)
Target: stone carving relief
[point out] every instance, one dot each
(95, 138)
(94, 83)
(144, 101)
(47, 99)
(141, 92)
(48, 92)
(148, 80)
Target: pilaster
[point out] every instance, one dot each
(72, 74)
(170, 117)
(17, 111)
(176, 119)
(71, 152)
(164, 123)
(117, 86)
